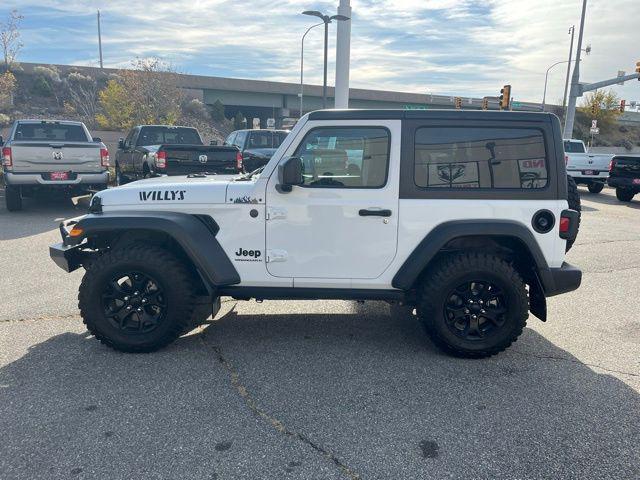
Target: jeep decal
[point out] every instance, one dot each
(243, 255)
(162, 195)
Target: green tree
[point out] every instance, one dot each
(603, 106)
(117, 111)
(217, 111)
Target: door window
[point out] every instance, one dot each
(345, 157)
(240, 138)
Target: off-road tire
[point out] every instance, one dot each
(595, 187)
(573, 199)
(456, 269)
(12, 198)
(624, 195)
(169, 272)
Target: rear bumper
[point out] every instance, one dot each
(36, 178)
(600, 175)
(623, 182)
(556, 281)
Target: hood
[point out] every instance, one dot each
(162, 192)
(260, 152)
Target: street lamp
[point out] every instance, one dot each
(302, 64)
(546, 78)
(326, 19)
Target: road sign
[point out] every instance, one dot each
(516, 104)
(594, 131)
(271, 123)
(594, 123)
(414, 107)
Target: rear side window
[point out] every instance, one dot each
(168, 135)
(470, 158)
(50, 132)
(574, 147)
(345, 157)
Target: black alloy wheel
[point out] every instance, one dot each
(475, 310)
(134, 302)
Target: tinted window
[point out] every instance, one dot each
(265, 139)
(480, 158)
(168, 135)
(574, 147)
(230, 139)
(348, 157)
(240, 138)
(50, 132)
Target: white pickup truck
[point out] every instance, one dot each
(52, 155)
(586, 168)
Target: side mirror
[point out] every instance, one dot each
(290, 174)
(121, 143)
(213, 142)
(97, 139)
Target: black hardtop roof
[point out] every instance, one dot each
(390, 114)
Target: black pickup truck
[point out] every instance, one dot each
(624, 176)
(153, 150)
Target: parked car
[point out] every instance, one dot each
(52, 155)
(257, 146)
(437, 210)
(624, 176)
(586, 168)
(153, 150)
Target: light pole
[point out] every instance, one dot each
(546, 78)
(326, 19)
(302, 65)
(572, 31)
(575, 80)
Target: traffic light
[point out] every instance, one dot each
(458, 103)
(505, 97)
(623, 103)
(638, 69)
(594, 109)
(485, 104)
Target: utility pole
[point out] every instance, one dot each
(575, 80)
(343, 53)
(566, 83)
(99, 40)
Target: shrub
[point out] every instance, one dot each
(41, 87)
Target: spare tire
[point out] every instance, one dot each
(573, 198)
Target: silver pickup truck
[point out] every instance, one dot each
(590, 169)
(51, 154)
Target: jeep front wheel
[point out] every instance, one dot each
(473, 305)
(137, 299)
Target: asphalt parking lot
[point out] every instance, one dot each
(321, 390)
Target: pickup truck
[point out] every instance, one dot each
(52, 155)
(155, 150)
(586, 168)
(257, 146)
(624, 176)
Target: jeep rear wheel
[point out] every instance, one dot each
(473, 305)
(595, 187)
(138, 299)
(13, 198)
(624, 195)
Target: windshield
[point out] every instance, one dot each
(50, 132)
(574, 147)
(266, 139)
(168, 135)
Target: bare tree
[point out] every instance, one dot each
(10, 38)
(82, 91)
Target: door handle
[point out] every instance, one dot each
(374, 213)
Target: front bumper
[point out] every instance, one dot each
(67, 257)
(12, 178)
(565, 279)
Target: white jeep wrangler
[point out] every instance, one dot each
(462, 214)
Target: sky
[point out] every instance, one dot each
(447, 47)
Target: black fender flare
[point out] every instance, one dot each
(435, 240)
(195, 234)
